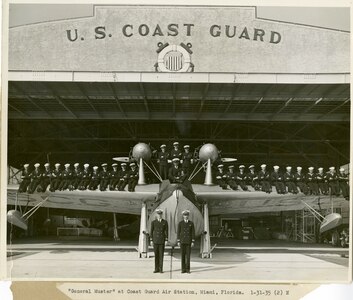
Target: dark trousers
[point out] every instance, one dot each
(54, 184)
(233, 185)
(303, 187)
(323, 187)
(74, 184)
(104, 184)
(292, 188)
(163, 171)
(255, 185)
(344, 187)
(64, 184)
(243, 185)
(93, 184)
(158, 257)
(185, 257)
(24, 185)
(334, 188)
(222, 183)
(313, 188)
(280, 187)
(43, 185)
(266, 186)
(113, 183)
(84, 183)
(33, 185)
(132, 184)
(122, 184)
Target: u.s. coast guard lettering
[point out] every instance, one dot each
(216, 31)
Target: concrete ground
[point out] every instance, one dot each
(235, 260)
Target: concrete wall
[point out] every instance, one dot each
(286, 48)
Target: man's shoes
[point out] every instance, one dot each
(188, 271)
(155, 271)
(183, 271)
(161, 272)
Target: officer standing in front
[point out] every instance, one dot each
(186, 239)
(158, 239)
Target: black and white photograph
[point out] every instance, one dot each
(178, 143)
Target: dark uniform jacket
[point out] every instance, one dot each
(231, 176)
(331, 177)
(104, 174)
(320, 177)
(36, 174)
(114, 174)
(288, 177)
(159, 231)
(26, 174)
(123, 174)
(310, 177)
(299, 177)
(264, 175)
(163, 158)
(86, 174)
(241, 176)
(186, 232)
(133, 174)
(175, 154)
(176, 174)
(221, 176)
(77, 174)
(66, 174)
(186, 157)
(276, 177)
(343, 177)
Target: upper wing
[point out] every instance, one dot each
(229, 201)
(108, 201)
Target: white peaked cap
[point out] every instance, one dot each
(175, 143)
(95, 167)
(263, 166)
(332, 168)
(289, 168)
(76, 164)
(46, 165)
(175, 159)
(341, 169)
(311, 168)
(320, 169)
(276, 167)
(114, 165)
(37, 165)
(86, 165)
(67, 165)
(299, 168)
(26, 165)
(57, 165)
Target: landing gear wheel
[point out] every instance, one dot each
(335, 239)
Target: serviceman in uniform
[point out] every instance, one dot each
(175, 153)
(277, 180)
(76, 177)
(185, 239)
(162, 161)
(46, 175)
(26, 179)
(232, 178)
(95, 179)
(322, 182)
(158, 239)
(343, 183)
(252, 177)
(289, 181)
(187, 160)
(311, 182)
(66, 177)
(299, 180)
(55, 178)
(133, 177)
(176, 173)
(36, 178)
(104, 178)
(113, 177)
(123, 177)
(332, 180)
(86, 177)
(241, 178)
(264, 179)
(221, 177)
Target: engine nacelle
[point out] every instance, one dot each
(141, 150)
(208, 151)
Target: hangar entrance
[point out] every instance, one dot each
(277, 124)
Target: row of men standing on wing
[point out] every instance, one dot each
(310, 183)
(185, 159)
(60, 180)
